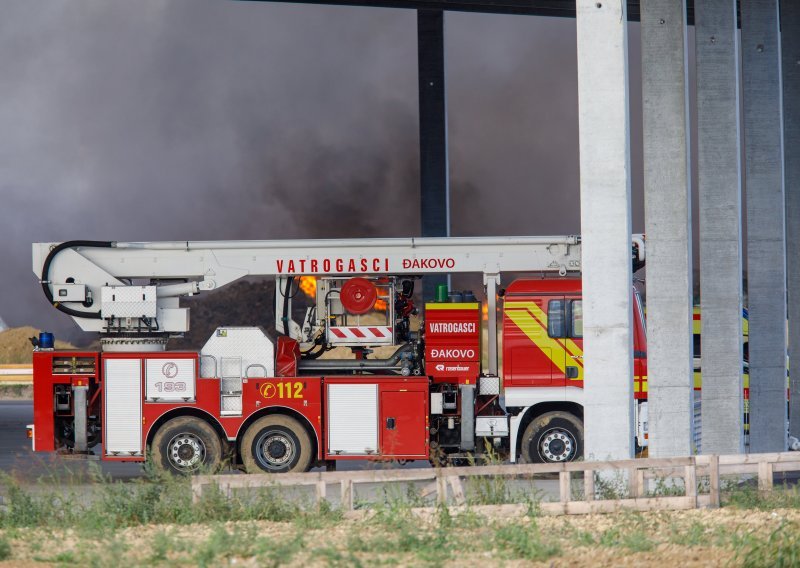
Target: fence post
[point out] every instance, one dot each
(458, 489)
(633, 489)
(322, 491)
(564, 488)
(197, 490)
(713, 474)
(347, 494)
(441, 489)
(690, 482)
(765, 476)
(588, 485)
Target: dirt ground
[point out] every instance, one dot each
(724, 537)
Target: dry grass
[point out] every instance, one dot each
(15, 347)
(725, 537)
(154, 523)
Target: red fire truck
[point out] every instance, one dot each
(366, 374)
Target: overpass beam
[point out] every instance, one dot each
(605, 228)
(790, 64)
(720, 196)
(766, 237)
(668, 225)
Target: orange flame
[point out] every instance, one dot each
(308, 284)
(380, 305)
(485, 312)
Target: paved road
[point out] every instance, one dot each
(16, 455)
(17, 458)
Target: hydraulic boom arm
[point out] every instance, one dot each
(130, 287)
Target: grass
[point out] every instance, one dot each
(525, 542)
(780, 549)
(161, 500)
(16, 392)
(747, 496)
(5, 548)
(153, 522)
(497, 490)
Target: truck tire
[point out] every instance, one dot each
(187, 445)
(553, 437)
(276, 444)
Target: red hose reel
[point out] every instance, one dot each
(358, 295)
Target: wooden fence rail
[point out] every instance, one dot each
(632, 480)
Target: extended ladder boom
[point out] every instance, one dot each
(136, 286)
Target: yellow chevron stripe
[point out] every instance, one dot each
(536, 331)
(540, 314)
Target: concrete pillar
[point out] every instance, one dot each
(766, 246)
(720, 196)
(605, 228)
(790, 51)
(667, 210)
(433, 156)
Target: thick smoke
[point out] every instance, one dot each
(189, 119)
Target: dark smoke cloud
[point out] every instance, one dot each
(190, 119)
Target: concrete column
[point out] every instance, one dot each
(766, 246)
(605, 228)
(720, 196)
(790, 51)
(668, 225)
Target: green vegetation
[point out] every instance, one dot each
(5, 548)
(154, 522)
(160, 499)
(16, 392)
(747, 496)
(780, 549)
(525, 542)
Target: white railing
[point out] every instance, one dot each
(16, 374)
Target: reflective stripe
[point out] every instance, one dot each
(362, 332)
(452, 306)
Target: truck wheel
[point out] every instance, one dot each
(276, 444)
(187, 445)
(553, 437)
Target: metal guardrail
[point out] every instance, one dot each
(447, 484)
(16, 374)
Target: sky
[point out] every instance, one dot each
(214, 119)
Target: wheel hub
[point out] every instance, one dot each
(186, 451)
(276, 450)
(557, 445)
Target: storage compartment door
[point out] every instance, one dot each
(122, 425)
(169, 380)
(352, 419)
(403, 431)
